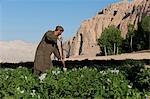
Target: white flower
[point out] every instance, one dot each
(114, 71)
(20, 67)
(129, 86)
(74, 69)
(117, 71)
(11, 69)
(103, 72)
(25, 77)
(33, 93)
(55, 72)
(18, 88)
(65, 69)
(103, 87)
(84, 67)
(6, 69)
(22, 91)
(109, 80)
(42, 77)
(58, 72)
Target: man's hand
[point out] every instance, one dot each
(64, 68)
(62, 60)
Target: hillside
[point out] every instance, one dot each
(16, 51)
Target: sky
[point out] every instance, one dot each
(28, 20)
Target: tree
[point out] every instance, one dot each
(103, 41)
(130, 35)
(110, 40)
(145, 25)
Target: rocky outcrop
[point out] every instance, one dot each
(120, 14)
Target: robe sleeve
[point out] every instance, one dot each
(56, 52)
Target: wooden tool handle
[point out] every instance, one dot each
(62, 53)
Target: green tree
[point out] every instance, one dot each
(110, 40)
(128, 42)
(103, 42)
(145, 25)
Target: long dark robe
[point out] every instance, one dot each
(46, 47)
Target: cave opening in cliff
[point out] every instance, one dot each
(81, 44)
(115, 12)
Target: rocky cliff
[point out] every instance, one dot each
(119, 14)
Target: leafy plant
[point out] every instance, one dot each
(75, 83)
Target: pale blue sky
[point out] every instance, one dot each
(28, 20)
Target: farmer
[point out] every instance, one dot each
(46, 47)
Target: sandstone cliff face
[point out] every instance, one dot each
(120, 14)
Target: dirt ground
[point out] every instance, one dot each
(135, 55)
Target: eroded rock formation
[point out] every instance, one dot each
(119, 14)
